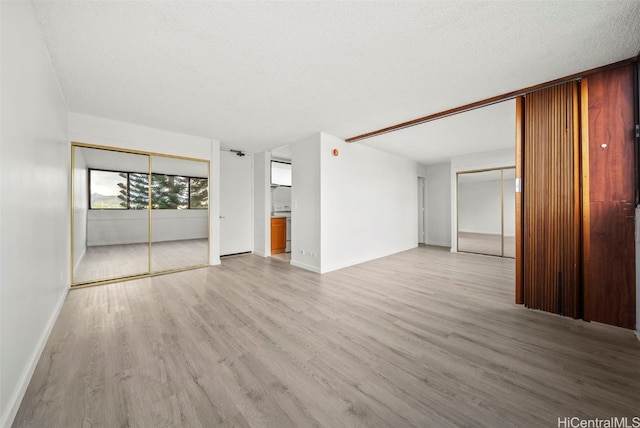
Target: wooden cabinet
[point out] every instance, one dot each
(278, 235)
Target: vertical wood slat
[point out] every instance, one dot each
(586, 200)
(551, 200)
(519, 220)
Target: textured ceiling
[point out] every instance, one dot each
(487, 128)
(257, 75)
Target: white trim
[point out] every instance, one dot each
(305, 266)
(440, 244)
(360, 260)
(18, 393)
(84, 251)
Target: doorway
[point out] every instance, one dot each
(422, 225)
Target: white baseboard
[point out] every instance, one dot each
(305, 266)
(18, 393)
(357, 260)
(439, 244)
(261, 254)
(84, 251)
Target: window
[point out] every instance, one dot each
(138, 190)
(169, 192)
(198, 193)
(280, 173)
(130, 190)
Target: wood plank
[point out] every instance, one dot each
(519, 282)
(610, 263)
(552, 201)
(103, 262)
(586, 199)
(421, 338)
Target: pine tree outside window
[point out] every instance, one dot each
(130, 190)
(135, 196)
(198, 193)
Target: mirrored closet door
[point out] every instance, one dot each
(486, 212)
(136, 214)
(179, 214)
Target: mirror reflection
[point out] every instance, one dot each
(486, 212)
(116, 235)
(111, 219)
(509, 197)
(180, 221)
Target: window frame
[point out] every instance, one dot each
(150, 176)
(271, 173)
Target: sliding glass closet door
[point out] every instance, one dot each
(136, 214)
(486, 212)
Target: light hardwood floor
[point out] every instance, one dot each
(285, 257)
(486, 243)
(423, 338)
(116, 261)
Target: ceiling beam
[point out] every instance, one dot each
(488, 101)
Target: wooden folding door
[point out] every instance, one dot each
(551, 200)
(609, 197)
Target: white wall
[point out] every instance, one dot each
(262, 204)
(305, 203)
(176, 225)
(475, 161)
(80, 207)
(280, 198)
(480, 207)
(510, 207)
(34, 202)
(438, 178)
(350, 208)
(368, 202)
(105, 132)
(111, 227)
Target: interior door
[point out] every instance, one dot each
(236, 207)
(421, 211)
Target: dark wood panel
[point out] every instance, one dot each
(609, 265)
(551, 201)
(611, 122)
(610, 285)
